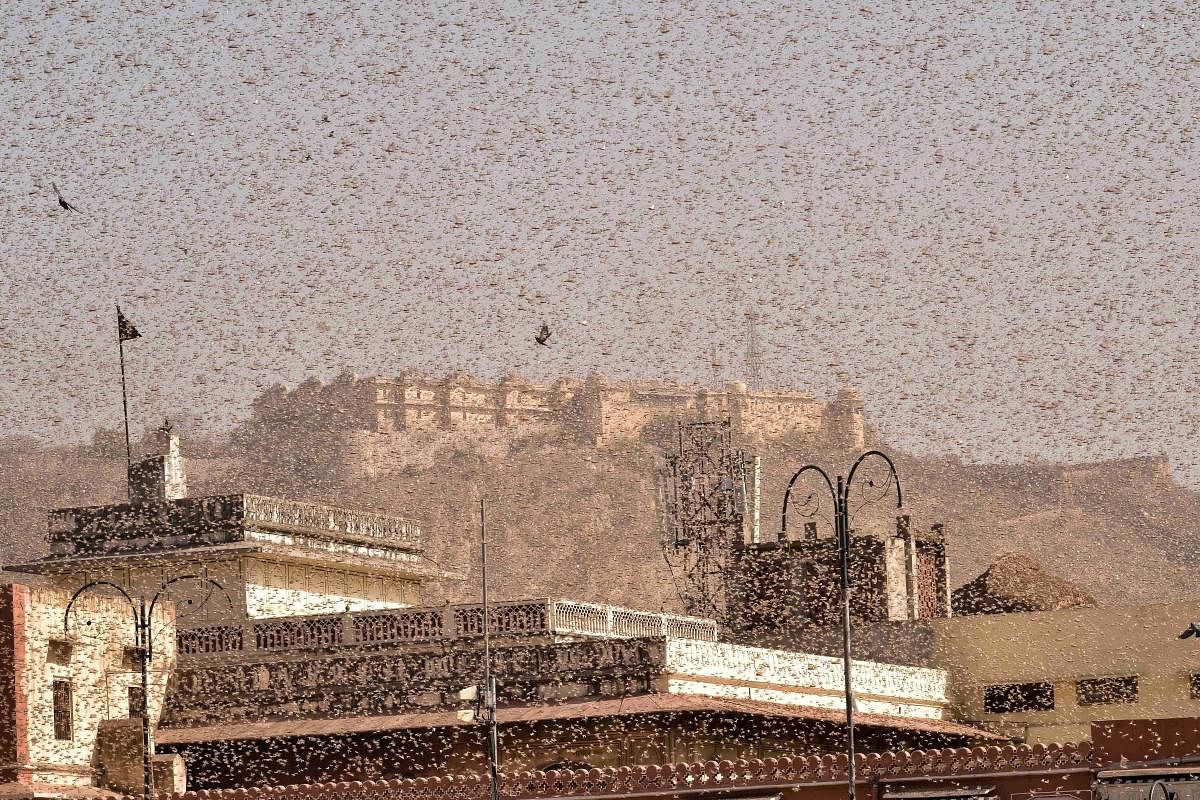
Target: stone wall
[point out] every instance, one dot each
(593, 408)
(780, 676)
(316, 685)
(593, 411)
(282, 589)
(1064, 647)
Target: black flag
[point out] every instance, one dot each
(125, 329)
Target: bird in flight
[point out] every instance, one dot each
(62, 201)
(543, 335)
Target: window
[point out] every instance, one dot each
(130, 659)
(137, 702)
(62, 710)
(1011, 697)
(1101, 691)
(945, 793)
(59, 652)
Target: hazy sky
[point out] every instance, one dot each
(986, 220)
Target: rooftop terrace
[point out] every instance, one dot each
(223, 519)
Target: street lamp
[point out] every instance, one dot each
(143, 641)
(841, 524)
(484, 696)
(1166, 793)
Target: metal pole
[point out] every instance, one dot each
(842, 533)
(124, 407)
(843, 537)
(143, 618)
(489, 681)
(143, 642)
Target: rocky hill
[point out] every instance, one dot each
(572, 520)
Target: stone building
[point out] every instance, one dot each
(312, 661)
(599, 411)
(272, 556)
(383, 416)
(70, 695)
(784, 591)
(345, 697)
(1046, 676)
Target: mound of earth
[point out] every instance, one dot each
(1017, 583)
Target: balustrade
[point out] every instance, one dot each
(277, 513)
(519, 618)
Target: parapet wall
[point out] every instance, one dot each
(781, 676)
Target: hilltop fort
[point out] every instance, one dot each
(382, 415)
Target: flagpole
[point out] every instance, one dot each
(124, 405)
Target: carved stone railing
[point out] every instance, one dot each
(559, 618)
(292, 516)
(784, 772)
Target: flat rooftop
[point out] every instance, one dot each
(130, 529)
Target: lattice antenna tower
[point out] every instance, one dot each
(704, 500)
(754, 367)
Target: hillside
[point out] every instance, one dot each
(571, 520)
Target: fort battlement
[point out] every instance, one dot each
(602, 412)
(389, 419)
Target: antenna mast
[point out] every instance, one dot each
(754, 366)
(705, 490)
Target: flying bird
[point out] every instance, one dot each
(1192, 630)
(62, 201)
(543, 335)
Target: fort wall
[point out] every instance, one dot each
(399, 411)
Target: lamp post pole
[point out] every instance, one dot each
(840, 495)
(489, 680)
(143, 648)
(142, 641)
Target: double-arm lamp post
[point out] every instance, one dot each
(143, 617)
(839, 492)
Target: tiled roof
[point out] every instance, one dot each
(950, 765)
(35, 790)
(627, 706)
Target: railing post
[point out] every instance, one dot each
(610, 619)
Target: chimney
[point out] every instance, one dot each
(159, 478)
